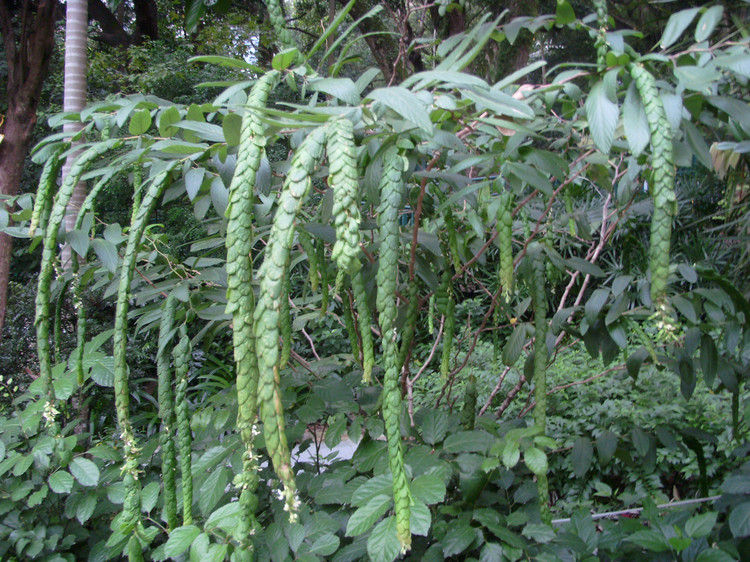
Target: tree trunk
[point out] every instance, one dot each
(74, 100)
(27, 58)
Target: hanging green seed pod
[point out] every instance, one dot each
(448, 333)
(181, 354)
(539, 303)
(351, 328)
(281, 31)
(431, 314)
(312, 258)
(240, 295)
(46, 190)
(662, 181)
(505, 242)
(166, 412)
(285, 323)
(391, 188)
(450, 226)
(322, 266)
(365, 321)
(49, 252)
(343, 179)
(57, 327)
(601, 35)
(80, 324)
(569, 209)
(296, 187)
(410, 324)
(468, 413)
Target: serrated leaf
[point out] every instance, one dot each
(381, 484)
(149, 496)
(634, 121)
(707, 23)
(60, 482)
(739, 520)
(701, 525)
(85, 471)
(85, 507)
(227, 517)
(428, 488)
(581, 456)
(676, 25)
(406, 104)
(383, 544)
(602, 114)
(606, 445)
(511, 454)
(212, 489)
(367, 515)
(420, 520)
(180, 540)
(536, 460)
(458, 538)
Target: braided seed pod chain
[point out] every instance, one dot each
(131, 508)
(662, 188)
(351, 329)
(539, 303)
(181, 354)
(49, 252)
(410, 324)
(449, 310)
(276, 261)
(365, 332)
(166, 412)
(601, 34)
(343, 179)
(240, 296)
(312, 258)
(505, 242)
(281, 32)
(285, 323)
(45, 191)
(391, 188)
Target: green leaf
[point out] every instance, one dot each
(538, 532)
(167, 118)
(420, 519)
(634, 121)
(193, 181)
(602, 114)
(650, 540)
(406, 104)
(707, 23)
(285, 59)
(676, 25)
(714, 555)
(476, 441)
(366, 516)
(701, 525)
(588, 268)
(514, 345)
(536, 460)
(381, 484)
(227, 517)
(606, 445)
(85, 507)
(60, 482)
(102, 369)
(180, 540)
(458, 538)
(149, 496)
(739, 520)
(325, 545)
(491, 552)
(212, 489)
(231, 126)
(564, 13)
(428, 488)
(595, 303)
(581, 456)
(341, 88)
(499, 103)
(383, 544)
(511, 453)
(709, 358)
(106, 252)
(641, 441)
(85, 471)
(140, 121)
(433, 426)
(79, 241)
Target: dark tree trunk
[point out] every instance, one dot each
(146, 20)
(28, 48)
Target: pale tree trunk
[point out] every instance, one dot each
(28, 47)
(74, 99)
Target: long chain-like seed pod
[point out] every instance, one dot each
(181, 354)
(323, 267)
(285, 323)
(166, 412)
(410, 324)
(391, 187)
(351, 328)
(601, 34)
(141, 214)
(240, 296)
(505, 242)
(539, 302)
(49, 253)
(365, 321)
(450, 324)
(46, 190)
(662, 187)
(312, 258)
(343, 179)
(57, 326)
(281, 31)
(296, 187)
(450, 226)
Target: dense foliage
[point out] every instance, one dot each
(404, 272)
